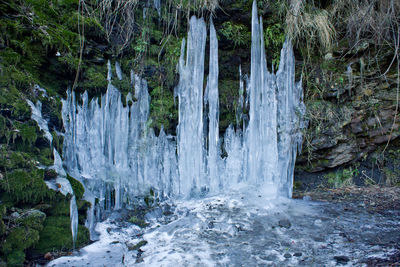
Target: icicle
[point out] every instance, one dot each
(190, 94)
(211, 97)
(109, 73)
(37, 116)
(118, 70)
(157, 6)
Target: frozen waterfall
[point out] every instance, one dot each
(109, 146)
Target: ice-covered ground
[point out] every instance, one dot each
(244, 228)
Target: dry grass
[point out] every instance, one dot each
(309, 25)
(374, 20)
(118, 21)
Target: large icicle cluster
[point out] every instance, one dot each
(110, 147)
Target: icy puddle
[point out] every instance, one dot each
(244, 229)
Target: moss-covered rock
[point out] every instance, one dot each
(32, 218)
(26, 187)
(19, 238)
(57, 235)
(78, 188)
(15, 258)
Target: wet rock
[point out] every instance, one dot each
(284, 223)
(287, 255)
(50, 174)
(48, 256)
(341, 259)
(341, 154)
(297, 254)
(307, 198)
(136, 246)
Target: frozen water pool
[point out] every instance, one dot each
(244, 228)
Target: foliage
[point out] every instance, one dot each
(26, 187)
(274, 37)
(236, 33)
(310, 25)
(139, 222)
(138, 245)
(162, 108)
(342, 177)
(56, 235)
(78, 188)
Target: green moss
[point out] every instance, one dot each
(78, 188)
(60, 208)
(138, 245)
(56, 235)
(342, 177)
(16, 258)
(95, 78)
(392, 176)
(33, 219)
(162, 109)
(236, 33)
(26, 187)
(26, 132)
(123, 85)
(12, 99)
(45, 156)
(139, 222)
(19, 238)
(297, 185)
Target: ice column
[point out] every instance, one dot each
(261, 135)
(190, 94)
(290, 112)
(211, 97)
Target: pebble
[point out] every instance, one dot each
(341, 259)
(297, 254)
(287, 255)
(285, 223)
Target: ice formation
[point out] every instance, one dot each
(190, 136)
(109, 146)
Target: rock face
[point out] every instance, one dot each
(352, 126)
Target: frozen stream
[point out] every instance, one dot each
(244, 228)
